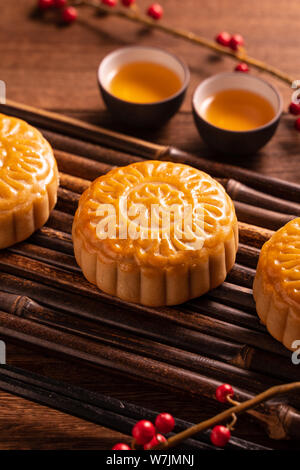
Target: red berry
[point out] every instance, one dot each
(158, 439)
(69, 15)
(121, 446)
(143, 432)
(242, 67)
(294, 108)
(236, 41)
(128, 3)
(223, 391)
(155, 11)
(45, 4)
(109, 3)
(165, 423)
(59, 3)
(223, 38)
(220, 435)
(297, 124)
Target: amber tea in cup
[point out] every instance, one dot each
(144, 82)
(237, 110)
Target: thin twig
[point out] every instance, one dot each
(232, 424)
(240, 55)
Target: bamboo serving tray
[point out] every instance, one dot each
(46, 301)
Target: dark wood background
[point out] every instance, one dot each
(54, 67)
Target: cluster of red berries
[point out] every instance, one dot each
(69, 14)
(234, 41)
(227, 40)
(147, 435)
(155, 11)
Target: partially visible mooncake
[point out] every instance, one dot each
(147, 257)
(277, 284)
(28, 180)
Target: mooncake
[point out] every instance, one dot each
(132, 241)
(28, 180)
(276, 286)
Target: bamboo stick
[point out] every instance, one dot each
(261, 217)
(247, 255)
(50, 256)
(88, 149)
(241, 192)
(73, 183)
(252, 235)
(79, 166)
(234, 295)
(60, 221)
(53, 239)
(67, 201)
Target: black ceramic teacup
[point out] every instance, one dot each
(236, 142)
(141, 114)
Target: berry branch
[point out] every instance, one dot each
(145, 433)
(155, 12)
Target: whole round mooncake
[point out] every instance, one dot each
(28, 180)
(155, 233)
(276, 286)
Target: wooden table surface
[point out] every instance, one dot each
(54, 67)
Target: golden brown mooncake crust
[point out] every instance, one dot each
(28, 180)
(276, 286)
(165, 270)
